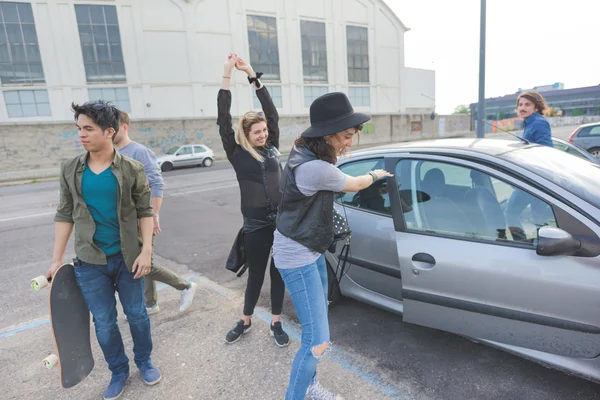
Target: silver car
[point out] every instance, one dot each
(574, 149)
(187, 155)
(587, 136)
(494, 240)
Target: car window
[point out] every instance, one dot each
(560, 146)
(185, 150)
(595, 131)
(199, 149)
(172, 150)
(589, 131)
(457, 201)
(375, 198)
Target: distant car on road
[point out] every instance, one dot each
(587, 136)
(439, 244)
(187, 155)
(574, 149)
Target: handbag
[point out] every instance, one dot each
(237, 256)
(341, 230)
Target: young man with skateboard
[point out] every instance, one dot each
(147, 157)
(105, 197)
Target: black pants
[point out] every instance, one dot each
(258, 247)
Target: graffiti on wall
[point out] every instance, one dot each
(65, 144)
(368, 128)
(160, 141)
(416, 126)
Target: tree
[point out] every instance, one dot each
(462, 109)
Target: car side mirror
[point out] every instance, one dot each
(556, 242)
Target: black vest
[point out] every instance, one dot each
(306, 219)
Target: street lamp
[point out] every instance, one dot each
(481, 102)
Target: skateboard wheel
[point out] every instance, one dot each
(50, 361)
(39, 283)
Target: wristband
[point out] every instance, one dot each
(256, 79)
(373, 175)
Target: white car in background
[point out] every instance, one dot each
(186, 155)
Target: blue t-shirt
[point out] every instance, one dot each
(100, 193)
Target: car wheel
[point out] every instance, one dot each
(207, 162)
(333, 287)
(166, 167)
(595, 151)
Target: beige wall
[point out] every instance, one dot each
(41, 146)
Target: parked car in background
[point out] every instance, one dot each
(187, 155)
(436, 244)
(574, 149)
(587, 136)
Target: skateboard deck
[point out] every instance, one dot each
(70, 326)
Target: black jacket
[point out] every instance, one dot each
(306, 219)
(258, 201)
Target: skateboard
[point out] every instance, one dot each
(70, 326)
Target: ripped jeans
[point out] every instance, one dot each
(308, 289)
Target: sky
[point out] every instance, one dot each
(528, 43)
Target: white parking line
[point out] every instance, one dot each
(170, 195)
(202, 190)
(26, 216)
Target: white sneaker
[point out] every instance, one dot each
(317, 392)
(153, 310)
(187, 296)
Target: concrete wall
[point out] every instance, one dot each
(27, 147)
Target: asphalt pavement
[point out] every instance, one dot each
(374, 355)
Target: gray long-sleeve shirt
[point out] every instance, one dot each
(147, 157)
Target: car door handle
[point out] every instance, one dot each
(424, 258)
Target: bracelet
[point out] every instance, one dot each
(226, 77)
(373, 175)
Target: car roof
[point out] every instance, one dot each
(589, 124)
(492, 147)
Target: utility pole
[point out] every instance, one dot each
(481, 102)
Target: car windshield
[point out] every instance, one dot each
(172, 150)
(574, 174)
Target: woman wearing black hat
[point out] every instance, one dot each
(305, 228)
(253, 152)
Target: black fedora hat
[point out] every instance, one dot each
(332, 113)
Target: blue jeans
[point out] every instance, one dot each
(308, 289)
(98, 284)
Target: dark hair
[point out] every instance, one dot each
(537, 99)
(319, 146)
(101, 112)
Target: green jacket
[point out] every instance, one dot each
(134, 199)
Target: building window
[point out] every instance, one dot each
(357, 42)
(360, 96)
(312, 92)
(20, 60)
(27, 103)
(314, 51)
(264, 51)
(275, 92)
(100, 43)
(119, 97)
